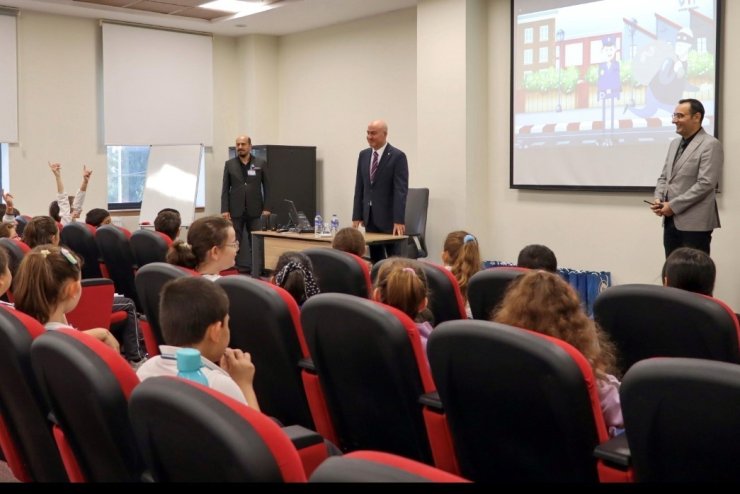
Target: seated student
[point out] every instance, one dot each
(168, 222)
(401, 283)
(543, 302)
(349, 239)
(97, 217)
(66, 209)
(194, 313)
(42, 230)
(294, 273)
(6, 276)
(461, 255)
(47, 287)
(211, 247)
(7, 230)
(690, 269)
(537, 256)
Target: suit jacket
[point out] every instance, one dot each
(690, 184)
(387, 193)
(240, 197)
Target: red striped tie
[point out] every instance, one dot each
(374, 166)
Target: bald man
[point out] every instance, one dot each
(381, 187)
(244, 198)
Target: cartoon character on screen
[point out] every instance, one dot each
(610, 83)
(668, 70)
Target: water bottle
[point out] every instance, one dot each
(189, 364)
(318, 225)
(334, 224)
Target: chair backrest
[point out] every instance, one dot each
(87, 386)
(115, 248)
(95, 305)
(149, 246)
(80, 237)
(149, 281)
(486, 289)
(417, 204)
(445, 299)
(372, 369)
(521, 406)
(337, 271)
(682, 420)
(264, 321)
(27, 441)
(190, 433)
(375, 466)
(655, 321)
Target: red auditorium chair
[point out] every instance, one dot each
(149, 246)
(190, 433)
(265, 321)
(682, 420)
(80, 237)
(374, 373)
(115, 249)
(87, 385)
(337, 271)
(486, 289)
(656, 321)
(521, 406)
(25, 432)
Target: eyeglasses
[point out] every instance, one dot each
(234, 245)
(679, 116)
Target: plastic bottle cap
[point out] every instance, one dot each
(188, 359)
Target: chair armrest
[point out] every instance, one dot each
(307, 364)
(302, 437)
(432, 401)
(615, 451)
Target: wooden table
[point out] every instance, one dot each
(267, 246)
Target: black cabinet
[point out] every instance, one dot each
(292, 177)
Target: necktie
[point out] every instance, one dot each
(679, 151)
(374, 166)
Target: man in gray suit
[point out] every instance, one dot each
(244, 197)
(685, 193)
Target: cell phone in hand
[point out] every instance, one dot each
(649, 202)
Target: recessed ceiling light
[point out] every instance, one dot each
(234, 6)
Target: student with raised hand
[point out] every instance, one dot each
(690, 269)
(210, 248)
(461, 255)
(66, 209)
(194, 313)
(294, 273)
(543, 302)
(536, 256)
(47, 287)
(401, 283)
(8, 209)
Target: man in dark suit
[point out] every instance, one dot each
(381, 187)
(244, 197)
(685, 192)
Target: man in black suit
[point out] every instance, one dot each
(244, 197)
(381, 187)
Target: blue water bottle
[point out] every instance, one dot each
(189, 365)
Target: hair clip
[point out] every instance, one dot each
(68, 255)
(44, 252)
(468, 238)
(409, 270)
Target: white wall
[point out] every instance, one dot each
(333, 82)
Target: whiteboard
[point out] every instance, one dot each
(171, 181)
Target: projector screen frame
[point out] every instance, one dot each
(607, 186)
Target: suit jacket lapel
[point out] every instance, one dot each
(695, 143)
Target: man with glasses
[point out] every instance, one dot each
(686, 188)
